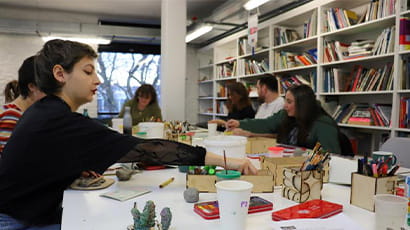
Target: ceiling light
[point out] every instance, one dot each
(252, 4)
(100, 41)
(198, 33)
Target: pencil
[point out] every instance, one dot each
(167, 182)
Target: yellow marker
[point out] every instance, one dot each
(167, 182)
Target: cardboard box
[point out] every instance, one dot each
(263, 182)
(277, 164)
(259, 144)
(301, 186)
(365, 187)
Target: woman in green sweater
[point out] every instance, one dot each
(144, 105)
(302, 122)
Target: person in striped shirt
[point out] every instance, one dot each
(29, 93)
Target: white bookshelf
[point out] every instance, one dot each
(228, 50)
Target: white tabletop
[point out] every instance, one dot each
(86, 210)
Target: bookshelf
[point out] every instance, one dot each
(369, 66)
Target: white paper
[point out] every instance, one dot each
(337, 222)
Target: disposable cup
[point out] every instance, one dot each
(212, 129)
(391, 211)
(233, 201)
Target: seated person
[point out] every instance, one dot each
(302, 122)
(239, 105)
(268, 94)
(144, 105)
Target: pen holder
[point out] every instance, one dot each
(301, 186)
(365, 187)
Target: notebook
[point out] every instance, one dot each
(309, 209)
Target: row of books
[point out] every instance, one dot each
(404, 114)
(285, 60)
(405, 79)
(284, 35)
(338, 51)
(226, 70)
(248, 66)
(338, 18)
(404, 33)
(310, 26)
(244, 47)
(379, 9)
(360, 79)
(363, 114)
(297, 79)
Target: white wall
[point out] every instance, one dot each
(13, 50)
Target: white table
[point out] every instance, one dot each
(86, 210)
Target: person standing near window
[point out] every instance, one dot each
(144, 105)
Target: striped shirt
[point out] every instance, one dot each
(9, 116)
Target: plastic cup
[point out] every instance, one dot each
(233, 201)
(276, 151)
(212, 129)
(391, 211)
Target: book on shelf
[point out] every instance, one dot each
(404, 33)
(361, 116)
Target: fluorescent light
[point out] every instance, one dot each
(251, 4)
(198, 33)
(101, 41)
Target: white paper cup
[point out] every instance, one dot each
(212, 129)
(233, 201)
(391, 211)
(117, 124)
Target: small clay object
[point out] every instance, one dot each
(191, 195)
(123, 174)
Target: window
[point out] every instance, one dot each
(121, 74)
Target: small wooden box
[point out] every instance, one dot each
(365, 187)
(301, 186)
(263, 182)
(259, 144)
(277, 164)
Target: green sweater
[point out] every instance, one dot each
(324, 130)
(150, 113)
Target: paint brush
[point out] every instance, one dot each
(226, 171)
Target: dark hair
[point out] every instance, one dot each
(270, 81)
(11, 91)
(146, 90)
(244, 101)
(26, 76)
(58, 52)
(307, 110)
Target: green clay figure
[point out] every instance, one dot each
(147, 218)
(166, 217)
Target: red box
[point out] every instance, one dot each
(309, 209)
(209, 210)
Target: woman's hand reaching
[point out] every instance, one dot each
(240, 164)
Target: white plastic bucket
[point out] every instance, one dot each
(234, 146)
(153, 129)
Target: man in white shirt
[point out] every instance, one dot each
(268, 93)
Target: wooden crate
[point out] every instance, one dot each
(259, 144)
(263, 182)
(365, 187)
(301, 186)
(277, 164)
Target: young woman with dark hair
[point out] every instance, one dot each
(144, 105)
(238, 104)
(28, 94)
(302, 122)
(57, 143)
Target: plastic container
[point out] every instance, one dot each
(227, 175)
(234, 146)
(391, 211)
(276, 151)
(153, 129)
